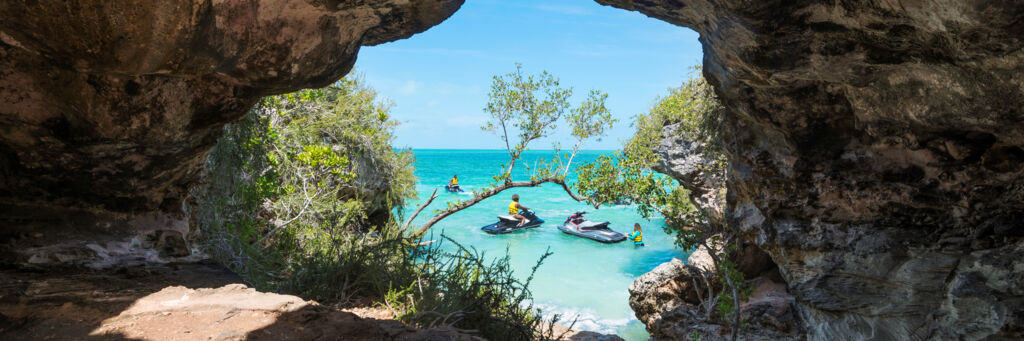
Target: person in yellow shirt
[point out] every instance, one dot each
(514, 207)
(453, 184)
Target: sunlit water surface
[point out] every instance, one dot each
(582, 278)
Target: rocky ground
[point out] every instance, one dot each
(191, 301)
(875, 146)
(186, 301)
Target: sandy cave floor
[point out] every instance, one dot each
(195, 301)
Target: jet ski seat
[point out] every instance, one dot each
(591, 225)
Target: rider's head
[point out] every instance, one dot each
(515, 197)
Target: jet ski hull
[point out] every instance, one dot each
(602, 234)
(502, 228)
(505, 225)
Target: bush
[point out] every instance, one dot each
(303, 197)
(694, 107)
(464, 291)
(629, 176)
(303, 178)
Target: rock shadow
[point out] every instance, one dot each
(54, 303)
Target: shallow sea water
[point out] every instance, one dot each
(582, 278)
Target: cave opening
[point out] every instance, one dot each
(876, 147)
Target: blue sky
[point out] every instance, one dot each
(438, 80)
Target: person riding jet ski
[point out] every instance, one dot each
(519, 217)
(453, 184)
(513, 209)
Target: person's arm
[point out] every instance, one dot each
(522, 207)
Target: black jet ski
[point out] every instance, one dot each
(453, 188)
(579, 226)
(508, 223)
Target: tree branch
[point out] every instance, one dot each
(736, 306)
(309, 201)
(490, 193)
(504, 134)
(573, 156)
(425, 204)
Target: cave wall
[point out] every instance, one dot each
(875, 146)
(876, 155)
(109, 107)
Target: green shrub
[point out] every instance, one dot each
(628, 175)
(697, 114)
(303, 178)
(464, 291)
(304, 195)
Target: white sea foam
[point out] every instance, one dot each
(586, 319)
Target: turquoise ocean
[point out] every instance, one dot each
(582, 279)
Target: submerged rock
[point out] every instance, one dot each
(876, 153)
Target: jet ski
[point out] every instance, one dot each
(508, 223)
(579, 226)
(453, 188)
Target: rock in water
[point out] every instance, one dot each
(876, 155)
(670, 301)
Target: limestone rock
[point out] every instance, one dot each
(668, 301)
(659, 290)
(875, 153)
(687, 160)
(111, 106)
(771, 308)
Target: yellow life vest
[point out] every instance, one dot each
(639, 236)
(455, 181)
(512, 208)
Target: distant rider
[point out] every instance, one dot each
(453, 184)
(513, 209)
(637, 236)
